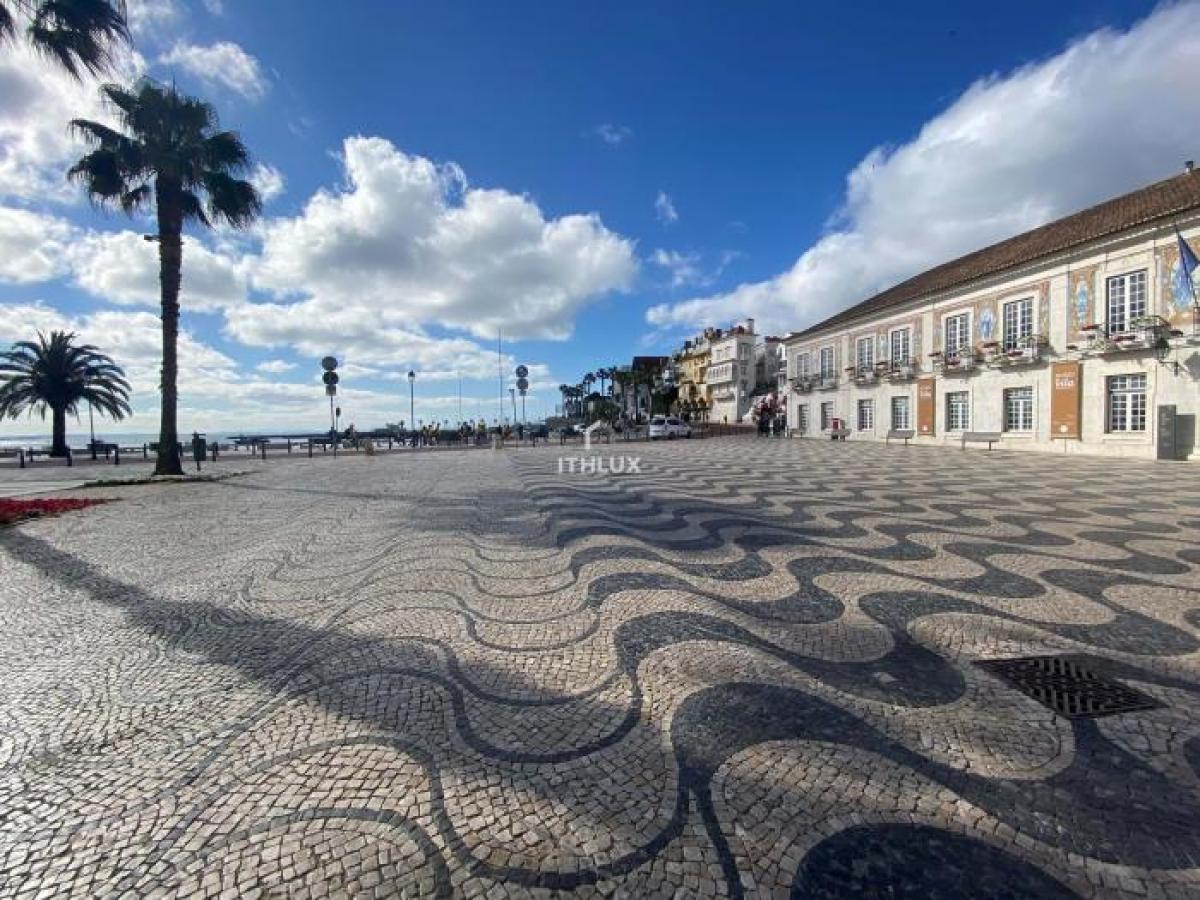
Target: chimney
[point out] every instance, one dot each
(750, 326)
(1189, 167)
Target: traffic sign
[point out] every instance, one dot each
(330, 390)
(522, 371)
(329, 363)
(522, 384)
(330, 378)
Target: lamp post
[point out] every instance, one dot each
(412, 415)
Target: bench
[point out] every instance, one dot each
(980, 437)
(13, 453)
(839, 434)
(900, 434)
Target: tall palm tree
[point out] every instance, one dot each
(79, 35)
(172, 153)
(57, 374)
(603, 373)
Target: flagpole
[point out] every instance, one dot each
(500, 372)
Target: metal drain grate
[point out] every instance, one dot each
(1067, 687)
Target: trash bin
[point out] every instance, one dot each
(199, 448)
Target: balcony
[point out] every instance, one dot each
(863, 375)
(1142, 333)
(803, 384)
(959, 362)
(827, 383)
(1027, 351)
(905, 370)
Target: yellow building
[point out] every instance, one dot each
(691, 371)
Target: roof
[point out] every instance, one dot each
(1149, 204)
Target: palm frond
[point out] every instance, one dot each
(225, 152)
(231, 199)
(79, 34)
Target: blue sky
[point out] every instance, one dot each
(599, 179)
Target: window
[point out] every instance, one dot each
(1018, 322)
(1018, 409)
(866, 415)
(958, 411)
(802, 418)
(1127, 403)
(1126, 300)
(900, 417)
(958, 334)
(826, 415)
(826, 363)
(864, 353)
(803, 365)
(901, 345)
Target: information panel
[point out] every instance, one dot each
(925, 406)
(1065, 392)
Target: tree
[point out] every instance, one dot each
(170, 152)
(57, 374)
(79, 35)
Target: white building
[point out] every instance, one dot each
(731, 373)
(1076, 337)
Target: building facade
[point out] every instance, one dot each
(731, 373)
(1082, 336)
(690, 370)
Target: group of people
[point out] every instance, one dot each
(434, 433)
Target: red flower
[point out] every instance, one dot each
(14, 509)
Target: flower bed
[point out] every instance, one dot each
(14, 509)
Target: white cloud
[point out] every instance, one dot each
(151, 18)
(224, 63)
(407, 243)
(122, 267)
(1107, 115)
(613, 135)
(275, 366)
(216, 7)
(33, 246)
(664, 208)
(683, 267)
(269, 181)
(36, 147)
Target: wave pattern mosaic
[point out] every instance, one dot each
(746, 670)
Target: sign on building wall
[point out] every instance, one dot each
(1066, 382)
(925, 406)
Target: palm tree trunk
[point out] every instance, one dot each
(58, 445)
(170, 275)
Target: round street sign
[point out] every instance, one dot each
(522, 383)
(522, 371)
(330, 378)
(329, 363)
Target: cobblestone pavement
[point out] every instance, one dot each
(744, 670)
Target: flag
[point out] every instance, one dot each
(1185, 279)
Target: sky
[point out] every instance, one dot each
(589, 180)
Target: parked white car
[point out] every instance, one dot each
(669, 427)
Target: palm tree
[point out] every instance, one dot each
(57, 374)
(172, 153)
(79, 35)
(603, 374)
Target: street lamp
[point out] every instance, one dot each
(412, 377)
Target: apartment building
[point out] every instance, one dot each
(731, 374)
(1081, 336)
